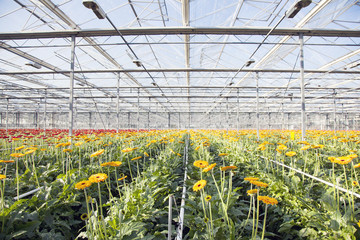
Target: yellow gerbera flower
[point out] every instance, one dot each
(111, 164)
(223, 154)
(99, 177)
(2, 176)
(208, 198)
(97, 153)
(201, 163)
(7, 161)
(199, 185)
(290, 154)
(259, 184)
(268, 200)
(83, 184)
(208, 168)
(136, 158)
(252, 192)
(17, 155)
(251, 179)
(228, 168)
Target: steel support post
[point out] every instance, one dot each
(302, 88)
(90, 119)
(138, 110)
(169, 119)
(118, 104)
(257, 107)
(227, 114)
(71, 98)
(129, 122)
(334, 113)
(237, 111)
(45, 110)
(7, 115)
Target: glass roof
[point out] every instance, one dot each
(181, 73)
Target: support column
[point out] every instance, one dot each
(118, 105)
(169, 119)
(138, 110)
(334, 113)
(257, 107)
(7, 115)
(45, 110)
(129, 122)
(302, 88)
(237, 111)
(179, 122)
(71, 98)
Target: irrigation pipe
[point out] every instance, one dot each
(317, 179)
(28, 193)
(179, 231)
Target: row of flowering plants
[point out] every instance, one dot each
(94, 185)
(102, 184)
(255, 196)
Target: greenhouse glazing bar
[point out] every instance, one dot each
(181, 31)
(98, 71)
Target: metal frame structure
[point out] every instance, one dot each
(194, 70)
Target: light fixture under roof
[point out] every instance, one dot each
(137, 62)
(33, 64)
(93, 5)
(249, 62)
(296, 7)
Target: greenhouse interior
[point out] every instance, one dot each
(179, 119)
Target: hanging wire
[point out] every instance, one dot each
(89, 90)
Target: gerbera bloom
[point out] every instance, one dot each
(111, 164)
(17, 155)
(268, 200)
(251, 179)
(358, 223)
(208, 198)
(355, 183)
(67, 150)
(83, 184)
(228, 167)
(29, 152)
(357, 165)
(99, 177)
(282, 147)
(2, 176)
(199, 185)
(19, 148)
(84, 216)
(146, 154)
(208, 168)
(306, 147)
(97, 153)
(79, 144)
(197, 148)
(201, 164)
(223, 154)
(136, 158)
(317, 146)
(7, 161)
(290, 154)
(259, 184)
(352, 156)
(128, 150)
(332, 159)
(252, 192)
(343, 160)
(122, 178)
